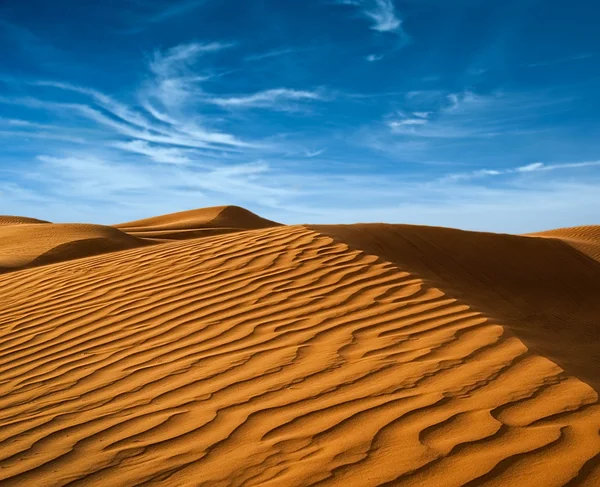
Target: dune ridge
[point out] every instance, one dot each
(280, 356)
(23, 245)
(541, 289)
(18, 220)
(26, 245)
(586, 238)
(202, 222)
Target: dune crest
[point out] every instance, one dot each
(541, 289)
(280, 356)
(202, 222)
(18, 220)
(586, 239)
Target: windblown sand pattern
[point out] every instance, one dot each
(277, 357)
(18, 220)
(585, 239)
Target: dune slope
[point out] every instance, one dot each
(18, 220)
(586, 239)
(541, 289)
(202, 222)
(34, 244)
(274, 357)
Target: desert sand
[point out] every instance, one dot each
(216, 348)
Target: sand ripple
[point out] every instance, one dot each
(274, 357)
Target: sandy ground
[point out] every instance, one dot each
(294, 355)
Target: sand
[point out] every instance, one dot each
(202, 222)
(585, 239)
(34, 244)
(295, 355)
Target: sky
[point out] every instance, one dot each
(474, 114)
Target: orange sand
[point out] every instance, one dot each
(290, 356)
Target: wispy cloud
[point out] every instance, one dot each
(175, 78)
(169, 63)
(275, 99)
(526, 169)
(311, 154)
(166, 155)
(144, 17)
(383, 15)
(278, 53)
(434, 114)
(374, 57)
(568, 59)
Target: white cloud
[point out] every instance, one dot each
(172, 61)
(384, 17)
(399, 124)
(166, 155)
(127, 122)
(277, 53)
(374, 57)
(535, 166)
(274, 98)
(310, 154)
(529, 168)
(381, 13)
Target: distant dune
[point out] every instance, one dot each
(23, 245)
(197, 223)
(299, 355)
(18, 220)
(30, 245)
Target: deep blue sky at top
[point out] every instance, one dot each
(470, 113)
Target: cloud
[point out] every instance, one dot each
(172, 61)
(439, 115)
(535, 166)
(552, 62)
(174, 80)
(158, 154)
(399, 124)
(278, 52)
(99, 177)
(528, 168)
(311, 154)
(383, 15)
(374, 57)
(141, 20)
(274, 98)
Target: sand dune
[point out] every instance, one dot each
(586, 239)
(18, 220)
(202, 222)
(30, 245)
(287, 357)
(543, 290)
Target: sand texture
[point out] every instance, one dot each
(585, 239)
(18, 220)
(203, 222)
(359, 355)
(34, 244)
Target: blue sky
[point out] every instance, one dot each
(476, 114)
